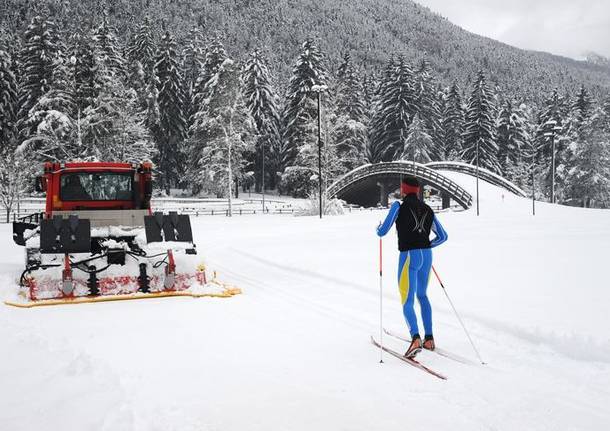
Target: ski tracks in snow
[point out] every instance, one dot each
(544, 369)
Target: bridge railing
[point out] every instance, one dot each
(484, 174)
(436, 179)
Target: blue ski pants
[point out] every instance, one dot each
(413, 275)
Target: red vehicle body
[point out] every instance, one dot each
(51, 183)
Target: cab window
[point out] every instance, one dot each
(105, 186)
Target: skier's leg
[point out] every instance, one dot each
(423, 276)
(409, 263)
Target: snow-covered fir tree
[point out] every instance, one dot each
(214, 57)
(8, 103)
(261, 101)
(136, 79)
(350, 129)
(13, 172)
(556, 129)
(376, 150)
(511, 136)
(427, 106)
(301, 112)
(452, 124)
(141, 74)
(527, 174)
(588, 179)
(478, 137)
(394, 110)
(41, 48)
(113, 128)
(142, 49)
(550, 119)
(193, 58)
(582, 106)
(108, 50)
(85, 71)
(55, 133)
(221, 133)
(606, 106)
(171, 129)
(417, 147)
(151, 111)
(369, 85)
(569, 134)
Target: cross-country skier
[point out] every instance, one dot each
(414, 220)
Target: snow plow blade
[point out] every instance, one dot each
(226, 292)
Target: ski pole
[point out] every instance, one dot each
(458, 316)
(381, 300)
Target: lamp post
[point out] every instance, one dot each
(553, 168)
(477, 157)
(263, 179)
(319, 89)
(320, 150)
(533, 192)
(551, 134)
(230, 180)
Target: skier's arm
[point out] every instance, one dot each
(383, 228)
(441, 234)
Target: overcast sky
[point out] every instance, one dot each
(565, 27)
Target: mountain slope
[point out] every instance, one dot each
(370, 29)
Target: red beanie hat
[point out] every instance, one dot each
(409, 185)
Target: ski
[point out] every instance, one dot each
(409, 361)
(438, 351)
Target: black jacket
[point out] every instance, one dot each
(413, 223)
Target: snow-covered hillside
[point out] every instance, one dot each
(293, 351)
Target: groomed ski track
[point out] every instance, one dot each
(293, 351)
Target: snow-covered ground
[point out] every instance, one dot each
(293, 352)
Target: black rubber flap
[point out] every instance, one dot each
(60, 235)
(153, 226)
(169, 227)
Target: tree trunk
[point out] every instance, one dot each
(230, 180)
(383, 194)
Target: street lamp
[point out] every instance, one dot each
(319, 89)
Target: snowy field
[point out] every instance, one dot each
(248, 203)
(293, 352)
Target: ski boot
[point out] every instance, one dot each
(414, 347)
(429, 343)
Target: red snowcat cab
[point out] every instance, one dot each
(98, 236)
(105, 193)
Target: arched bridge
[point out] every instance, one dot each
(484, 174)
(366, 184)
